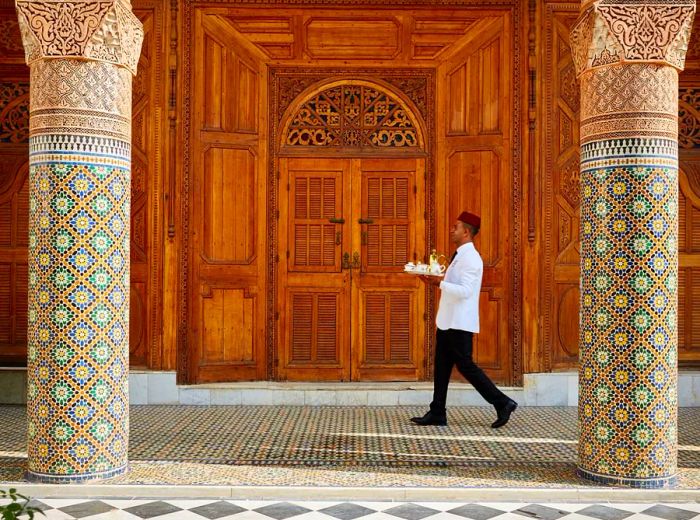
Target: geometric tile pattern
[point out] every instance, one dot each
(78, 307)
(629, 273)
(347, 447)
(200, 509)
(79, 220)
(629, 253)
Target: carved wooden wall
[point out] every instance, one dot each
(236, 270)
(146, 348)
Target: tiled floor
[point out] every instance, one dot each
(348, 447)
(94, 509)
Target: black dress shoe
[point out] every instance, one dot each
(504, 413)
(430, 419)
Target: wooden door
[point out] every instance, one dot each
(347, 228)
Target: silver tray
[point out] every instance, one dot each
(427, 273)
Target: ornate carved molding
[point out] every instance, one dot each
(102, 31)
(14, 112)
(689, 118)
(616, 31)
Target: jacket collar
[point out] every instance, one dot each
(464, 247)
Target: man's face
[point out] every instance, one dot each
(460, 233)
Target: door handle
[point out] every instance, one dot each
(339, 220)
(355, 264)
(365, 221)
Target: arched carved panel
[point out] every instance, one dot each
(352, 115)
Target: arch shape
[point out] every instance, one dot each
(352, 115)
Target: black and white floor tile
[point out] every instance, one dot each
(104, 509)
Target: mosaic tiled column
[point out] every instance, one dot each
(628, 55)
(82, 56)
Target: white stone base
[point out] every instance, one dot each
(150, 387)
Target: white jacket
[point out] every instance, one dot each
(459, 298)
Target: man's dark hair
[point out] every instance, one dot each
(472, 229)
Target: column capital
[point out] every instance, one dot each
(622, 31)
(106, 31)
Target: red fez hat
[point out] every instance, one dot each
(470, 218)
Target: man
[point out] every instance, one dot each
(457, 320)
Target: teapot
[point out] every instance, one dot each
(437, 263)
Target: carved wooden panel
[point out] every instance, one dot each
(229, 210)
(228, 76)
(274, 35)
(146, 284)
(561, 192)
(334, 38)
(14, 212)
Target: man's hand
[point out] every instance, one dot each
(430, 280)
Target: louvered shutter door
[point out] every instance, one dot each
(314, 200)
(387, 205)
(387, 328)
(314, 334)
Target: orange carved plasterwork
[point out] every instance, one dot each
(616, 31)
(100, 31)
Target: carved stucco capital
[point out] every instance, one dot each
(106, 31)
(618, 31)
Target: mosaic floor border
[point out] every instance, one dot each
(179, 509)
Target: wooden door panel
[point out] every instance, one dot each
(388, 201)
(229, 206)
(226, 339)
(388, 329)
(228, 326)
(313, 287)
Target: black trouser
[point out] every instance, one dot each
(454, 347)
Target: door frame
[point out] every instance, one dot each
(302, 82)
